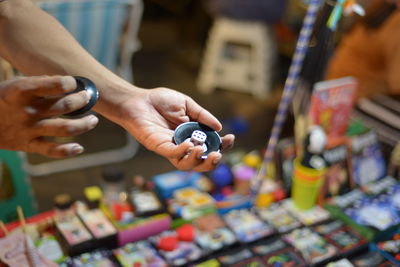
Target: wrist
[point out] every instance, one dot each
(113, 95)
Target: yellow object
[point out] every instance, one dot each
(200, 200)
(306, 185)
(93, 193)
(209, 263)
(264, 200)
(252, 160)
(185, 194)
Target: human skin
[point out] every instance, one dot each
(36, 44)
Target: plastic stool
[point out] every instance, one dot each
(239, 56)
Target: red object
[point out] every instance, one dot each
(119, 208)
(33, 219)
(227, 191)
(137, 264)
(186, 233)
(397, 257)
(331, 105)
(279, 194)
(396, 237)
(168, 243)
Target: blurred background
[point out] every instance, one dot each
(231, 56)
(173, 37)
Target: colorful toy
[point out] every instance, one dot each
(212, 233)
(246, 226)
(243, 174)
(312, 246)
(176, 254)
(190, 203)
(276, 252)
(167, 183)
(139, 254)
(279, 217)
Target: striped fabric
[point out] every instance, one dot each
(96, 24)
(381, 113)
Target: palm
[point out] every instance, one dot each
(154, 114)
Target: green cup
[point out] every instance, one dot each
(305, 191)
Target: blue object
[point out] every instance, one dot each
(236, 125)
(245, 204)
(167, 183)
(222, 176)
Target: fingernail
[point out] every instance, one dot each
(217, 159)
(75, 149)
(93, 120)
(68, 83)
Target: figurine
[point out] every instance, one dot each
(314, 145)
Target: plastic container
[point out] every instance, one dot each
(306, 185)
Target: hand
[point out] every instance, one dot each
(29, 107)
(152, 116)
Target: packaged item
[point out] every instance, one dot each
(247, 226)
(277, 252)
(76, 239)
(312, 216)
(115, 196)
(369, 259)
(145, 203)
(235, 256)
(366, 161)
(279, 217)
(331, 105)
(178, 250)
(139, 254)
(49, 247)
(344, 238)
(336, 178)
(312, 246)
(100, 227)
(100, 258)
(376, 212)
(189, 203)
(212, 234)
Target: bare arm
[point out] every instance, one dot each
(36, 44)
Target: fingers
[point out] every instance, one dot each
(65, 127)
(63, 105)
(49, 85)
(192, 160)
(170, 150)
(197, 113)
(54, 150)
(227, 142)
(40, 86)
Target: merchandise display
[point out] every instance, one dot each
(321, 197)
(193, 219)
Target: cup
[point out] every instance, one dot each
(306, 185)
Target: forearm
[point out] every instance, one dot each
(36, 44)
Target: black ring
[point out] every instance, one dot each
(85, 84)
